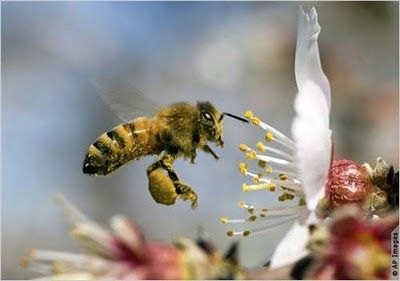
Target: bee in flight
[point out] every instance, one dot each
(178, 130)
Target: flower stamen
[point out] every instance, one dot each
(286, 183)
(260, 230)
(272, 133)
(274, 212)
(264, 148)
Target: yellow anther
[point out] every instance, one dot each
(262, 164)
(243, 147)
(271, 187)
(242, 204)
(285, 196)
(224, 220)
(260, 146)
(248, 114)
(230, 233)
(283, 177)
(262, 215)
(256, 179)
(246, 233)
(268, 170)
(25, 262)
(76, 232)
(302, 201)
(252, 218)
(245, 188)
(250, 209)
(269, 137)
(251, 155)
(256, 121)
(264, 210)
(58, 267)
(31, 253)
(243, 168)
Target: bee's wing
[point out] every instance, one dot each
(124, 99)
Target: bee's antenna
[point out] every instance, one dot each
(233, 116)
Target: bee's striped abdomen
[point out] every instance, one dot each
(123, 143)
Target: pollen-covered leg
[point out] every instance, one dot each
(165, 162)
(162, 188)
(165, 188)
(186, 193)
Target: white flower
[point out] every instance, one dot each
(299, 166)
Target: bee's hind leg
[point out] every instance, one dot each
(184, 191)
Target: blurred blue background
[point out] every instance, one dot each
(238, 55)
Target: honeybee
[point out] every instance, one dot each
(177, 130)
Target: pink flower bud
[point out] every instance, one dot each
(348, 182)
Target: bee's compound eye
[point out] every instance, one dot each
(207, 115)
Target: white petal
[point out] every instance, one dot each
(130, 234)
(307, 62)
(311, 133)
(294, 245)
(73, 214)
(69, 276)
(310, 127)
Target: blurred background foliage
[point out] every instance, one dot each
(238, 55)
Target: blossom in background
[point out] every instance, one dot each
(303, 168)
(352, 247)
(347, 246)
(124, 253)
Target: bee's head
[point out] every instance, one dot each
(210, 122)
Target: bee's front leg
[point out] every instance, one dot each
(182, 190)
(193, 156)
(208, 149)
